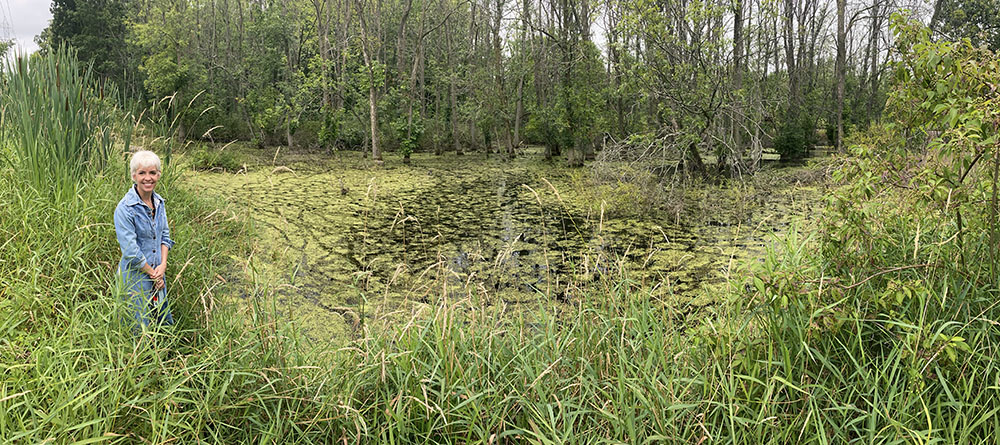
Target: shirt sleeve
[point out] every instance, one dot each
(127, 239)
(165, 231)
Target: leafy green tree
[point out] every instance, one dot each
(930, 175)
(683, 82)
(976, 20)
(99, 31)
(721, 78)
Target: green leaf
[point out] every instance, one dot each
(952, 118)
(933, 60)
(974, 124)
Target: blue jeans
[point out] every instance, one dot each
(146, 306)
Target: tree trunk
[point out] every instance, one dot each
(368, 55)
(401, 39)
(571, 35)
(840, 68)
(498, 104)
(323, 29)
(473, 139)
(790, 66)
(519, 112)
(874, 49)
(737, 114)
(373, 111)
(452, 92)
(411, 92)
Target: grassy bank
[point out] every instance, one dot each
(792, 371)
(71, 370)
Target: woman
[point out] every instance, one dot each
(144, 238)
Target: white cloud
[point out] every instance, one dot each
(24, 19)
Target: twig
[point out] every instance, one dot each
(894, 269)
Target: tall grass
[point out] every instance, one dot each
(809, 362)
(63, 123)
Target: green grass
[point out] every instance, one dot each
(207, 158)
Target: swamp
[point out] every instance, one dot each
(344, 240)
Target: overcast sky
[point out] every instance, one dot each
(22, 20)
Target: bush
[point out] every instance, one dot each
(883, 324)
(408, 134)
(830, 133)
(795, 137)
(218, 125)
(211, 159)
(308, 134)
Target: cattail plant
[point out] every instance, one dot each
(60, 121)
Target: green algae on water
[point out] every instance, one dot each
(347, 242)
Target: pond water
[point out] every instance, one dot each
(344, 241)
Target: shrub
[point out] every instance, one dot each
(882, 325)
(408, 134)
(795, 136)
(308, 133)
(210, 159)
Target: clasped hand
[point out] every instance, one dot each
(158, 276)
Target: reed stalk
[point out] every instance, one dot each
(62, 124)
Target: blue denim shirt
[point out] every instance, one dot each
(140, 235)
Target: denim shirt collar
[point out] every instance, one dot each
(132, 197)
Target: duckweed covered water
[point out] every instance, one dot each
(347, 242)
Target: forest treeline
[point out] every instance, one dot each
(724, 78)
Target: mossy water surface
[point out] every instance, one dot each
(345, 242)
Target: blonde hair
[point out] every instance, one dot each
(144, 158)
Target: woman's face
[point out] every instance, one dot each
(145, 178)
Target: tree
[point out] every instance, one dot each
(977, 20)
(165, 39)
(369, 15)
(568, 75)
(719, 78)
(841, 70)
(681, 49)
(98, 30)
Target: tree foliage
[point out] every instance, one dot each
(938, 152)
(976, 20)
(5, 45)
(710, 79)
(99, 31)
